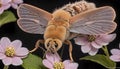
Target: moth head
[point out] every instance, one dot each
(53, 45)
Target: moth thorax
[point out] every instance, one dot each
(61, 15)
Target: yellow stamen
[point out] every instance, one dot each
(58, 65)
(91, 38)
(10, 51)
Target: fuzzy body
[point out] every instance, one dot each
(58, 27)
(78, 7)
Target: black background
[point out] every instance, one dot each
(12, 31)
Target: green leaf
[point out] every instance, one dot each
(101, 59)
(32, 62)
(7, 17)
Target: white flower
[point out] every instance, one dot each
(12, 52)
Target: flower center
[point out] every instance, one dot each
(91, 38)
(58, 65)
(10, 51)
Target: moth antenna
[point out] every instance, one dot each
(45, 53)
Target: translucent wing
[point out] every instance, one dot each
(32, 19)
(93, 22)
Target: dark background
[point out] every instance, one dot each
(12, 31)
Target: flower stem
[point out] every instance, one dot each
(105, 51)
(6, 67)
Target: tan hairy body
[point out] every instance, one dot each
(57, 28)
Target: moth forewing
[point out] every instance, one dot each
(32, 19)
(91, 12)
(92, 21)
(30, 26)
(34, 10)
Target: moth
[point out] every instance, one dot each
(63, 24)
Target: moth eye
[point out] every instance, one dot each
(48, 44)
(56, 44)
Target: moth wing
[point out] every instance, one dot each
(93, 22)
(32, 19)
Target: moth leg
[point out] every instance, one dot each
(37, 45)
(70, 49)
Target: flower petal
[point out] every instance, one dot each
(47, 64)
(4, 42)
(16, 61)
(96, 45)
(2, 56)
(115, 58)
(18, 1)
(50, 57)
(5, 7)
(107, 38)
(115, 51)
(23, 56)
(81, 41)
(15, 6)
(71, 66)
(93, 51)
(66, 62)
(7, 61)
(53, 57)
(1, 50)
(1, 10)
(16, 44)
(101, 42)
(5, 1)
(56, 57)
(86, 48)
(22, 51)
(111, 37)
(74, 65)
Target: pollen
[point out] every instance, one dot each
(58, 65)
(10, 51)
(91, 38)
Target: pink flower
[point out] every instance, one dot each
(92, 43)
(12, 52)
(15, 3)
(115, 55)
(4, 5)
(53, 61)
